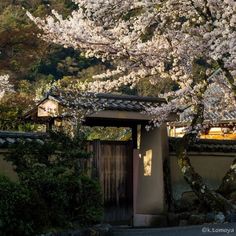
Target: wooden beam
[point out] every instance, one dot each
(105, 122)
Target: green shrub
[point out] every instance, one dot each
(57, 150)
(14, 209)
(68, 197)
(89, 208)
(53, 193)
(48, 201)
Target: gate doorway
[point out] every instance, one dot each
(113, 161)
(113, 166)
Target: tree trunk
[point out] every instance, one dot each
(230, 177)
(226, 186)
(212, 199)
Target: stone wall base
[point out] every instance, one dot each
(143, 220)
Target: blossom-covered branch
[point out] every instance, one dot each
(5, 85)
(192, 42)
(184, 41)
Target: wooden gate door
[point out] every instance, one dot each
(114, 163)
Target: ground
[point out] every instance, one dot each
(202, 230)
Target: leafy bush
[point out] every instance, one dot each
(88, 202)
(68, 198)
(14, 209)
(53, 192)
(58, 150)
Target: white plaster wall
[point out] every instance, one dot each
(211, 166)
(48, 108)
(150, 189)
(6, 168)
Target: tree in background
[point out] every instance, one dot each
(5, 86)
(13, 104)
(26, 57)
(20, 48)
(192, 43)
(33, 64)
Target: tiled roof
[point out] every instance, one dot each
(112, 101)
(8, 138)
(206, 145)
(202, 145)
(213, 113)
(226, 116)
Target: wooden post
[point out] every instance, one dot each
(135, 178)
(49, 125)
(96, 166)
(134, 136)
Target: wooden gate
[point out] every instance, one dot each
(113, 166)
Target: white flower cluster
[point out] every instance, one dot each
(155, 39)
(5, 85)
(108, 74)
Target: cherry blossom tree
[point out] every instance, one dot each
(193, 42)
(5, 86)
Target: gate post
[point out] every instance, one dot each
(150, 197)
(96, 165)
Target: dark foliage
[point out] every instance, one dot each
(14, 209)
(53, 191)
